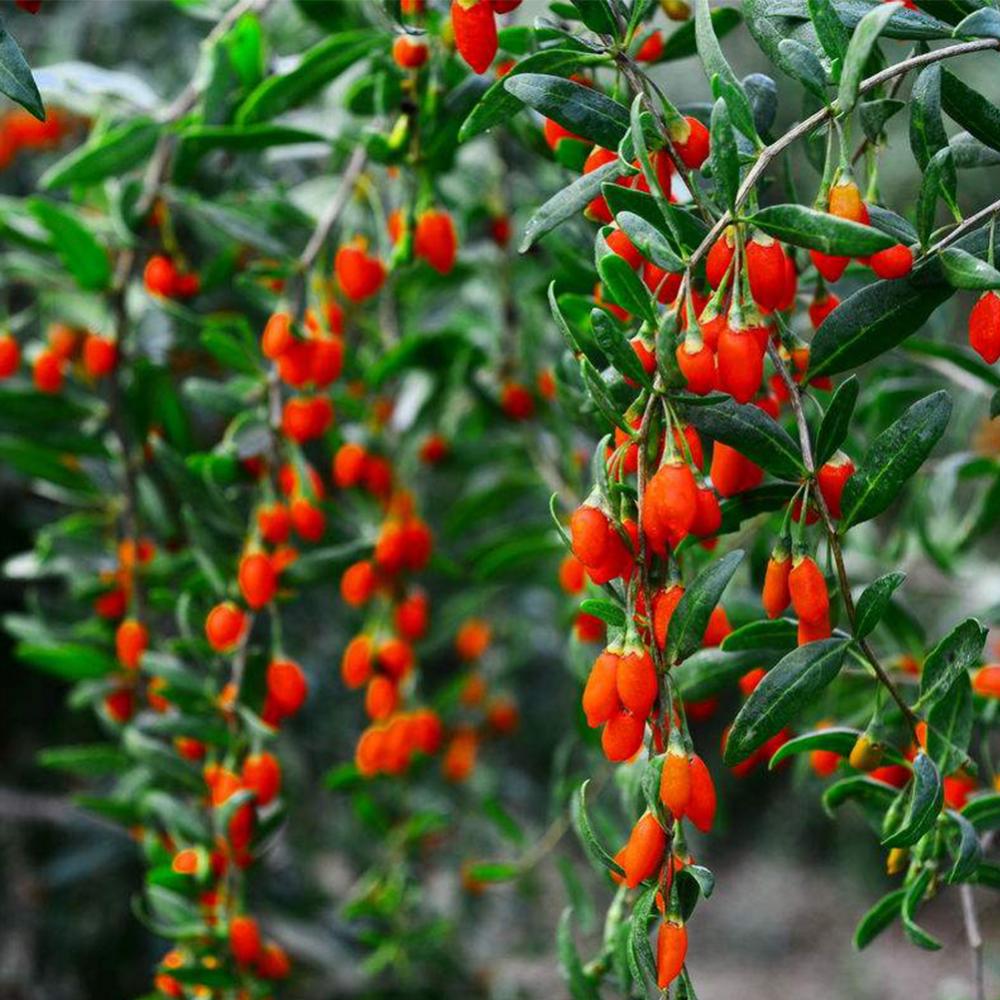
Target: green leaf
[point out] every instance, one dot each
(319, 65)
(77, 248)
(803, 64)
(493, 871)
(984, 23)
(983, 812)
(607, 611)
(837, 420)
(805, 227)
(777, 633)
(839, 739)
(611, 339)
(863, 41)
(720, 74)
(927, 134)
(498, 105)
(581, 986)
(786, 689)
(711, 671)
(970, 851)
(39, 461)
(830, 30)
(978, 115)
(965, 271)
(569, 202)
(949, 726)
(875, 114)
(753, 433)
(866, 791)
(198, 139)
(95, 758)
(878, 918)
(111, 154)
(894, 456)
(641, 954)
(649, 241)
(911, 902)
(583, 110)
(690, 618)
(597, 15)
(954, 655)
(924, 798)
(939, 181)
(69, 660)
(872, 321)
(723, 155)
(598, 392)
(874, 601)
(16, 80)
(626, 287)
(581, 824)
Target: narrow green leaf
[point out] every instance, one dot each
(96, 758)
(581, 823)
(581, 986)
(649, 241)
(611, 339)
(690, 618)
(787, 688)
(965, 271)
(874, 601)
(568, 202)
(911, 903)
(718, 69)
(867, 792)
(830, 30)
(837, 420)
(75, 244)
(863, 41)
(804, 65)
(954, 655)
(112, 154)
(583, 110)
(608, 612)
(878, 918)
(626, 287)
(969, 852)
(924, 799)
(805, 227)
(894, 456)
(977, 114)
(750, 430)
(723, 155)
(949, 726)
(983, 812)
(72, 661)
(927, 134)
(839, 739)
(984, 23)
(779, 633)
(498, 105)
(319, 65)
(16, 80)
(711, 671)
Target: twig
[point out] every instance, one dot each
(817, 119)
(964, 226)
(975, 939)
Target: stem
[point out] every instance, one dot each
(975, 939)
(962, 228)
(817, 119)
(833, 539)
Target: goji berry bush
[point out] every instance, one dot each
(433, 430)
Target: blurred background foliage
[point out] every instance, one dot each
(790, 883)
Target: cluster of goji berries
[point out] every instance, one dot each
(20, 131)
(94, 356)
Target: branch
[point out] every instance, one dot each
(833, 538)
(817, 119)
(963, 227)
